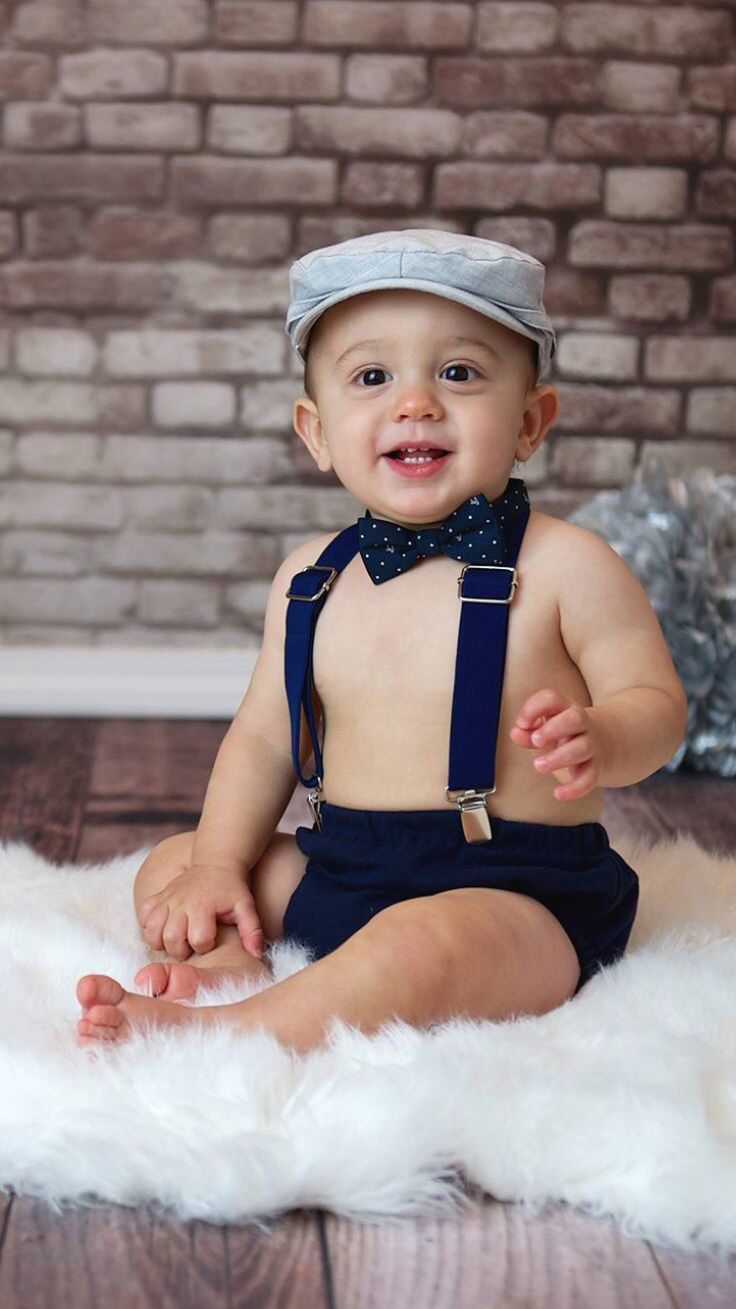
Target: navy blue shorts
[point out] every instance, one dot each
(367, 859)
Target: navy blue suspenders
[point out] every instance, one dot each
(486, 591)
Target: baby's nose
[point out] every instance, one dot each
(418, 400)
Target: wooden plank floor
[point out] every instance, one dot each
(86, 789)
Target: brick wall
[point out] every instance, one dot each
(163, 161)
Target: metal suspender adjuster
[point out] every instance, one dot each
(474, 816)
(320, 568)
(314, 799)
(488, 600)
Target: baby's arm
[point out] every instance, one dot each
(251, 783)
(638, 714)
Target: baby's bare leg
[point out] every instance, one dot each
(273, 880)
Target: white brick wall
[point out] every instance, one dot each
(158, 177)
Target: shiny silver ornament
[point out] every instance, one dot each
(678, 537)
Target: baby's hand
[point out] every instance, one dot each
(568, 736)
(183, 917)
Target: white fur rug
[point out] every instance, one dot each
(621, 1102)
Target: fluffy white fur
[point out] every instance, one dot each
(622, 1101)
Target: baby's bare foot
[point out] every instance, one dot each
(110, 1013)
(182, 981)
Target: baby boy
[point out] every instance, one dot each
(480, 673)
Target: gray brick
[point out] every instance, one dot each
(248, 600)
(6, 451)
(168, 508)
(47, 504)
(153, 352)
(269, 406)
(683, 457)
(242, 554)
(59, 554)
(193, 404)
(308, 507)
(593, 461)
(598, 354)
(201, 460)
(166, 604)
(89, 600)
(713, 409)
(55, 350)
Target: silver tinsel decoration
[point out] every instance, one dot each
(678, 537)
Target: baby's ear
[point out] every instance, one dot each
(540, 413)
(308, 427)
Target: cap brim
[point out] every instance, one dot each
(496, 312)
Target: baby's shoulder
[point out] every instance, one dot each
(556, 540)
(577, 566)
(306, 552)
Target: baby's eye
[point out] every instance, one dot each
(466, 367)
(368, 372)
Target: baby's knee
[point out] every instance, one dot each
(166, 860)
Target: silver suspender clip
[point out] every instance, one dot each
(314, 799)
(312, 568)
(474, 816)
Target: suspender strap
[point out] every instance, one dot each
(486, 591)
(310, 586)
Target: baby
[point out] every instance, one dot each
(480, 673)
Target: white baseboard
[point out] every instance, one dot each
(122, 682)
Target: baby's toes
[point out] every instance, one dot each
(90, 1030)
(97, 989)
(154, 978)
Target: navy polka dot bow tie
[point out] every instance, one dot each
(473, 533)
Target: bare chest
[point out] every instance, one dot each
(384, 668)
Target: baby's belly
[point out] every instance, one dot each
(406, 767)
(384, 669)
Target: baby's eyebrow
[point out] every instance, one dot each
(451, 340)
(360, 345)
(473, 340)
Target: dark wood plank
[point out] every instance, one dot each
(45, 765)
(698, 1281)
(700, 805)
(491, 1255)
(627, 814)
(6, 1200)
(148, 781)
(156, 766)
(132, 1259)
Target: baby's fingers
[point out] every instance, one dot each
(175, 935)
(152, 927)
(147, 907)
(521, 736)
(584, 779)
(571, 750)
(249, 926)
(202, 930)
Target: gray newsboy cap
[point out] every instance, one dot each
(495, 279)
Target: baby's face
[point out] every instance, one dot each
(398, 368)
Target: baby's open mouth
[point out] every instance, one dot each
(412, 455)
